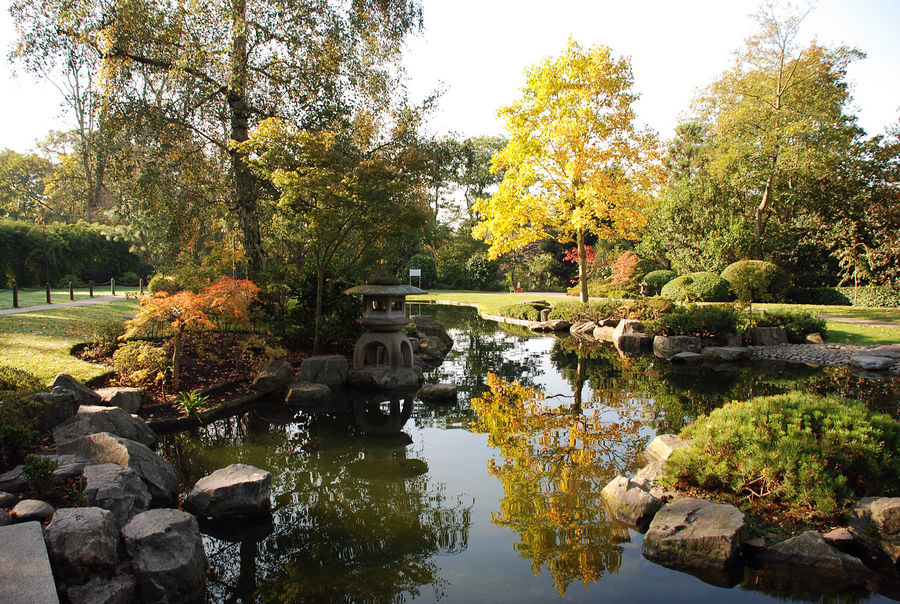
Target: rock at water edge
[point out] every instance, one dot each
(236, 490)
(629, 502)
(92, 419)
(117, 489)
(82, 541)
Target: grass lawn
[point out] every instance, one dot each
(39, 342)
(841, 333)
(37, 297)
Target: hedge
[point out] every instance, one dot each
(697, 287)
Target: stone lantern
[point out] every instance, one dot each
(383, 356)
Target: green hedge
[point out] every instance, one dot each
(795, 449)
(796, 323)
(697, 287)
(595, 310)
(528, 311)
(699, 321)
(826, 296)
(657, 279)
(757, 281)
(872, 295)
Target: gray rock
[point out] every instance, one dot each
(583, 327)
(304, 393)
(651, 472)
(68, 466)
(768, 336)
(25, 575)
(725, 354)
(874, 524)
(51, 408)
(696, 535)
(891, 351)
(32, 509)
(559, 325)
(273, 375)
(668, 346)
(630, 502)
(433, 329)
(385, 377)
(83, 394)
(840, 537)
(330, 370)
(633, 343)
(437, 393)
(627, 327)
(815, 338)
(92, 419)
(157, 475)
(12, 481)
(167, 556)
(604, 333)
(5, 518)
(662, 446)
(117, 489)
(82, 541)
(7, 500)
(609, 323)
(870, 363)
(236, 490)
(810, 554)
(884, 512)
(686, 358)
(118, 590)
(129, 399)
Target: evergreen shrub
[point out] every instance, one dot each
(826, 296)
(697, 287)
(596, 310)
(699, 321)
(872, 295)
(527, 311)
(796, 323)
(798, 450)
(164, 283)
(656, 279)
(757, 281)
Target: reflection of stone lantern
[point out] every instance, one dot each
(383, 356)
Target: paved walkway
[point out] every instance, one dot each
(82, 302)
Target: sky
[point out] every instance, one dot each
(475, 53)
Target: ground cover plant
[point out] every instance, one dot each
(798, 453)
(528, 311)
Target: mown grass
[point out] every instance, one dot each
(39, 342)
(840, 333)
(38, 297)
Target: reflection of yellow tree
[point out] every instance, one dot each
(556, 459)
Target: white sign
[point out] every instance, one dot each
(415, 272)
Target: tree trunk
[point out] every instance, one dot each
(582, 265)
(762, 210)
(244, 200)
(317, 330)
(176, 360)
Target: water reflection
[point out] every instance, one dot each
(555, 459)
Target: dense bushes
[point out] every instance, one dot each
(595, 310)
(797, 449)
(871, 295)
(657, 279)
(757, 281)
(697, 287)
(31, 254)
(699, 321)
(427, 265)
(796, 323)
(528, 311)
(827, 296)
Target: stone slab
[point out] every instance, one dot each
(25, 575)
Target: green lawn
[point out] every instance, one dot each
(37, 297)
(842, 333)
(39, 342)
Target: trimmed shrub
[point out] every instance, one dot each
(528, 311)
(826, 296)
(595, 310)
(656, 280)
(796, 323)
(796, 449)
(757, 281)
(164, 283)
(699, 321)
(872, 295)
(697, 287)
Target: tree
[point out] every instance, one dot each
(574, 163)
(215, 69)
(23, 183)
(778, 124)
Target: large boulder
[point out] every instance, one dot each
(633, 343)
(118, 590)
(698, 536)
(306, 393)
(330, 370)
(630, 502)
(273, 375)
(667, 347)
(627, 327)
(82, 541)
(725, 354)
(809, 556)
(117, 489)
(604, 333)
(92, 419)
(662, 446)
(157, 475)
(436, 333)
(83, 394)
(167, 556)
(129, 399)
(875, 524)
(768, 336)
(868, 362)
(236, 490)
(52, 408)
(385, 378)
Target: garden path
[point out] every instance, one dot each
(83, 302)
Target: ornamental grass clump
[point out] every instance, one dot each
(812, 455)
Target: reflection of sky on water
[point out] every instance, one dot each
(356, 519)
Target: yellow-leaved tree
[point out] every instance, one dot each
(575, 163)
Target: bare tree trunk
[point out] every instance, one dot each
(582, 265)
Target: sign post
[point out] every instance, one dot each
(415, 272)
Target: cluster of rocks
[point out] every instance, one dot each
(714, 542)
(863, 358)
(128, 542)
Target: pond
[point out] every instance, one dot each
(476, 501)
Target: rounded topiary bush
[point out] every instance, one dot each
(657, 279)
(798, 450)
(697, 287)
(164, 283)
(757, 281)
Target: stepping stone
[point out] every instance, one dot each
(25, 575)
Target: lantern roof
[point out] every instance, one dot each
(384, 286)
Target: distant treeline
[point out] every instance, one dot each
(32, 254)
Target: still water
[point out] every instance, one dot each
(494, 499)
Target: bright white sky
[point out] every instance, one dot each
(476, 51)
